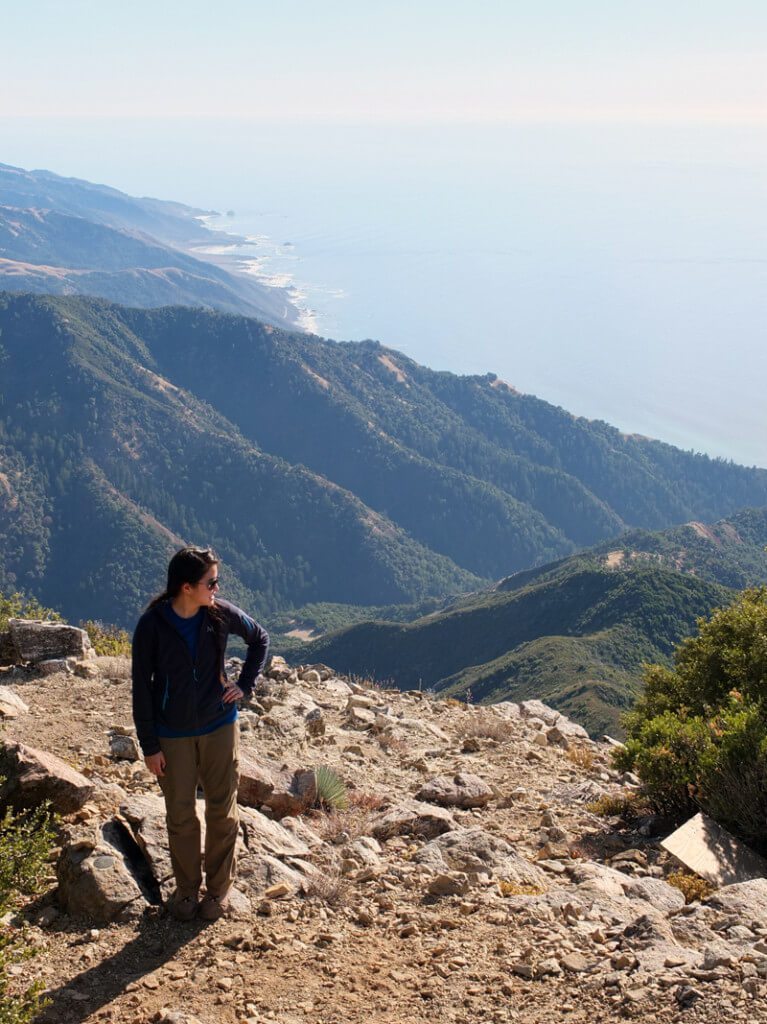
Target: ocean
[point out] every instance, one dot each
(616, 270)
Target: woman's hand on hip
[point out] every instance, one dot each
(232, 693)
(156, 764)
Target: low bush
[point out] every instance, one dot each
(583, 757)
(26, 839)
(106, 639)
(692, 887)
(518, 889)
(628, 806)
(488, 727)
(697, 737)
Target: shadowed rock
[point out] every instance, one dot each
(34, 776)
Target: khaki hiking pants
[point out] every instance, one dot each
(213, 759)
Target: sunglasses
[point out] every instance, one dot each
(210, 584)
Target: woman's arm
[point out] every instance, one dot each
(142, 668)
(257, 639)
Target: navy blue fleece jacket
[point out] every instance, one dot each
(172, 689)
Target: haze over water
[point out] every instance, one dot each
(618, 271)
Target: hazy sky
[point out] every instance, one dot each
(399, 60)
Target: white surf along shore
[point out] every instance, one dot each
(268, 262)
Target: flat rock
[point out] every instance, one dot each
(461, 790)
(711, 852)
(537, 709)
(664, 897)
(412, 817)
(266, 836)
(359, 718)
(35, 640)
(34, 776)
(453, 883)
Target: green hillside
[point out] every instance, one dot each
(640, 595)
(322, 472)
(113, 467)
(575, 637)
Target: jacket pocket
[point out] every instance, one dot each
(166, 694)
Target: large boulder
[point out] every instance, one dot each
(477, 852)
(460, 790)
(34, 776)
(34, 640)
(96, 880)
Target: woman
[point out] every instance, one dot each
(185, 712)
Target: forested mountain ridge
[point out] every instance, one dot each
(322, 471)
(63, 236)
(112, 466)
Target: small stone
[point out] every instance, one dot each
(686, 995)
(574, 963)
(123, 747)
(225, 984)
(623, 961)
(547, 967)
(47, 917)
(278, 891)
(674, 961)
(523, 969)
(635, 995)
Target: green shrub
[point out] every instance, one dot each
(697, 736)
(26, 839)
(19, 606)
(107, 640)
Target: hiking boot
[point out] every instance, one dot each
(213, 907)
(183, 908)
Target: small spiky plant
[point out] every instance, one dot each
(331, 790)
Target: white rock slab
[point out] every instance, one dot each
(711, 852)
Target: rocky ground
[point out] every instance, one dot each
(467, 880)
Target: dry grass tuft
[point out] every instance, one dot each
(622, 805)
(583, 757)
(329, 887)
(487, 727)
(112, 667)
(518, 889)
(353, 822)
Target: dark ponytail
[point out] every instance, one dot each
(188, 565)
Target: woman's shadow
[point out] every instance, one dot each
(159, 938)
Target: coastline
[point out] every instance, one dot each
(239, 255)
